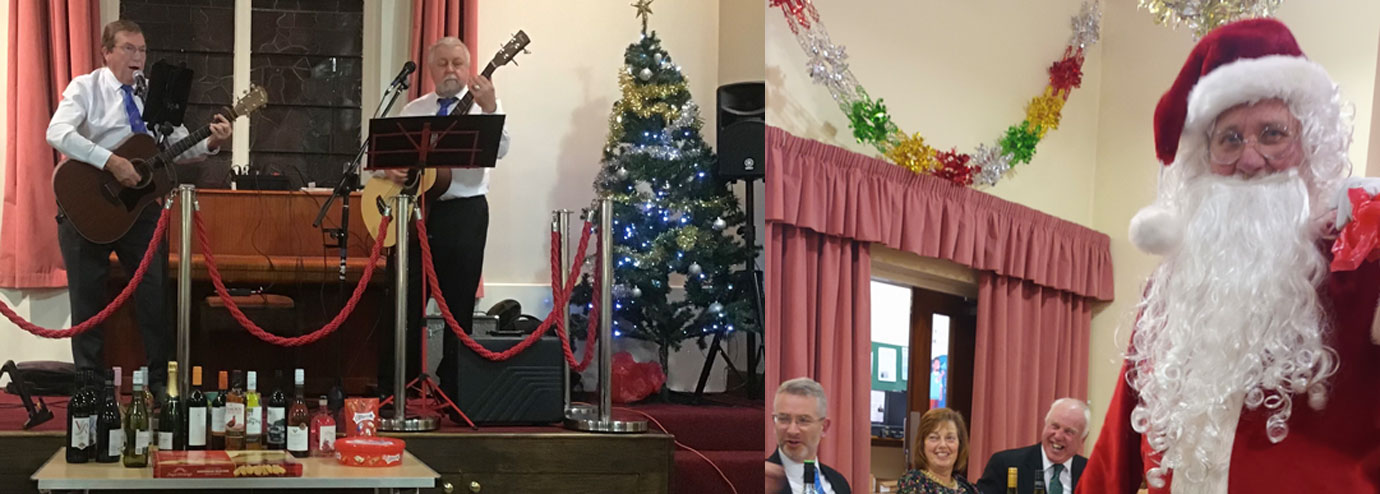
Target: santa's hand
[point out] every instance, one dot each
(1342, 202)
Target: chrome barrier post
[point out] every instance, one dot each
(605, 421)
(404, 208)
(560, 223)
(186, 198)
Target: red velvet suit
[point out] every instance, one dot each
(1335, 450)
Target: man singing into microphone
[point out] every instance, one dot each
(97, 112)
(457, 222)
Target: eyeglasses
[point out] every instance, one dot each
(1225, 147)
(131, 49)
(785, 419)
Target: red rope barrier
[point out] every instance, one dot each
(305, 339)
(105, 313)
(559, 296)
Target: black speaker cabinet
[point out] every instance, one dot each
(525, 389)
(742, 128)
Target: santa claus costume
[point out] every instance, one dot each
(1250, 368)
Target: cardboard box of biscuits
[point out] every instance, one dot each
(225, 464)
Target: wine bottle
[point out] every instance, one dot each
(196, 413)
(234, 414)
(137, 430)
(218, 412)
(79, 415)
(299, 418)
(810, 487)
(110, 434)
(172, 429)
(253, 415)
(276, 419)
(1011, 480)
(321, 440)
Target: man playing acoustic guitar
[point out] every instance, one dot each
(97, 112)
(458, 222)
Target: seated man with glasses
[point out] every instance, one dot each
(800, 415)
(1250, 366)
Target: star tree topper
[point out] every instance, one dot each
(644, 10)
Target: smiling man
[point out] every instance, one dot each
(1055, 459)
(799, 413)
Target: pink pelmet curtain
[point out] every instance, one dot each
(826, 205)
(436, 19)
(50, 43)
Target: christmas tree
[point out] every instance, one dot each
(674, 222)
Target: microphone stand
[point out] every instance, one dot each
(349, 182)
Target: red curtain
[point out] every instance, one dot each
(436, 19)
(819, 326)
(50, 42)
(1032, 348)
(825, 205)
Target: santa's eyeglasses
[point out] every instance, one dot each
(1226, 146)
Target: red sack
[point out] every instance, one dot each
(633, 381)
(1358, 240)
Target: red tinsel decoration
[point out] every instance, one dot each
(801, 10)
(953, 166)
(1066, 74)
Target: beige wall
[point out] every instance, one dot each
(959, 74)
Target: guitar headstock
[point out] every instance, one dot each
(511, 49)
(255, 98)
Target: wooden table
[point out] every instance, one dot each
(317, 473)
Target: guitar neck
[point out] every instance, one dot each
(186, 143)
(468, 101)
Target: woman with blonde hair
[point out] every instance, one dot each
(939, 455)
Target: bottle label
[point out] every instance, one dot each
(218, 419)
(254, 422)
(196, 426)
(326, 438)
(141, 441)
(277, 425)
(81, 433)
(297, 438)
(165, 441)
(91, 430)
(234, 417)
(117, 443)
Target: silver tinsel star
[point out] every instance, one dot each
(991, 164)
(1087, 25)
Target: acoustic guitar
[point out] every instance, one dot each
(103, 210)
(380, 191)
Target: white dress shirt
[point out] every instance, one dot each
(1065, 476)
(795, 475)
(464, 182)
(91, 120)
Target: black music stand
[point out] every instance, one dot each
(414, 143)
(169, 88)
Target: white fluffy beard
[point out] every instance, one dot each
(1232, 317)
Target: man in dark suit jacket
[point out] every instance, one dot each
(1054, 460)
(800, 414)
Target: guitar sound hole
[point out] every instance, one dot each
(145, 174)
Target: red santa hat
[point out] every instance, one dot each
(1242, 62)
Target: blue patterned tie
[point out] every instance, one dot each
(136, 122)
(445, 104)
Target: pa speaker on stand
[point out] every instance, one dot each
(741, 126)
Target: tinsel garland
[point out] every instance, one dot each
(827, 65)
(1202, 16)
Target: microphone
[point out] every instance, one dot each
(141, 85)
(407, 70)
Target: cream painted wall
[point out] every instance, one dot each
(1140, 61)
(958, 74)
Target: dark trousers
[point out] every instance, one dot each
(88, 267)
(458, 230)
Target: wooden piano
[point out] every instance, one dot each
(264, 241)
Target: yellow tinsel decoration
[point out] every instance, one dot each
(1044, 111)
(639, 99)
(912, 153)
(687, 237)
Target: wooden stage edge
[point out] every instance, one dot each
(544, 460)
